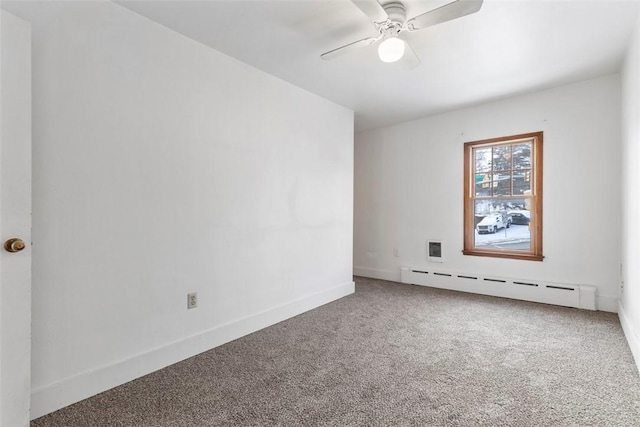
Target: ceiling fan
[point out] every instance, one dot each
(390, 20)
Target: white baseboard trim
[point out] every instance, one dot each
(52, 397)
(631, 334)
(568, 295)
(376, 273)
(607, 303)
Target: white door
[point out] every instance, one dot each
(15, 220)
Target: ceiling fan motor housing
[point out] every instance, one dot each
(396, 12)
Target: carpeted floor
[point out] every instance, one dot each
(393, 354)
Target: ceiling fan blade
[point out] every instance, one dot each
(372, 9)
(445, 13)
(409, 59)
(349, 47)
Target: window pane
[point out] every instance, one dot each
(502, 158)
(502, 224)
(483, 185)
(522, 156)
(521, 182)
(502, 185)
(483, 160)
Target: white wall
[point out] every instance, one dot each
(162, 167)
(629, 310)
(408, 188)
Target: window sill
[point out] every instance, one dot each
(500, 254)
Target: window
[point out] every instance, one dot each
(503, 197)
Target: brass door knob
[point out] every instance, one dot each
(14, 245)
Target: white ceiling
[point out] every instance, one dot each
(508, 47)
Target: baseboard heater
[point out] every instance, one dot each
(578, 296)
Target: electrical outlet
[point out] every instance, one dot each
(192, 300)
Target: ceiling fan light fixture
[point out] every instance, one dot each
(391, 49)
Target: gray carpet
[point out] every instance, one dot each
(393, 354)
